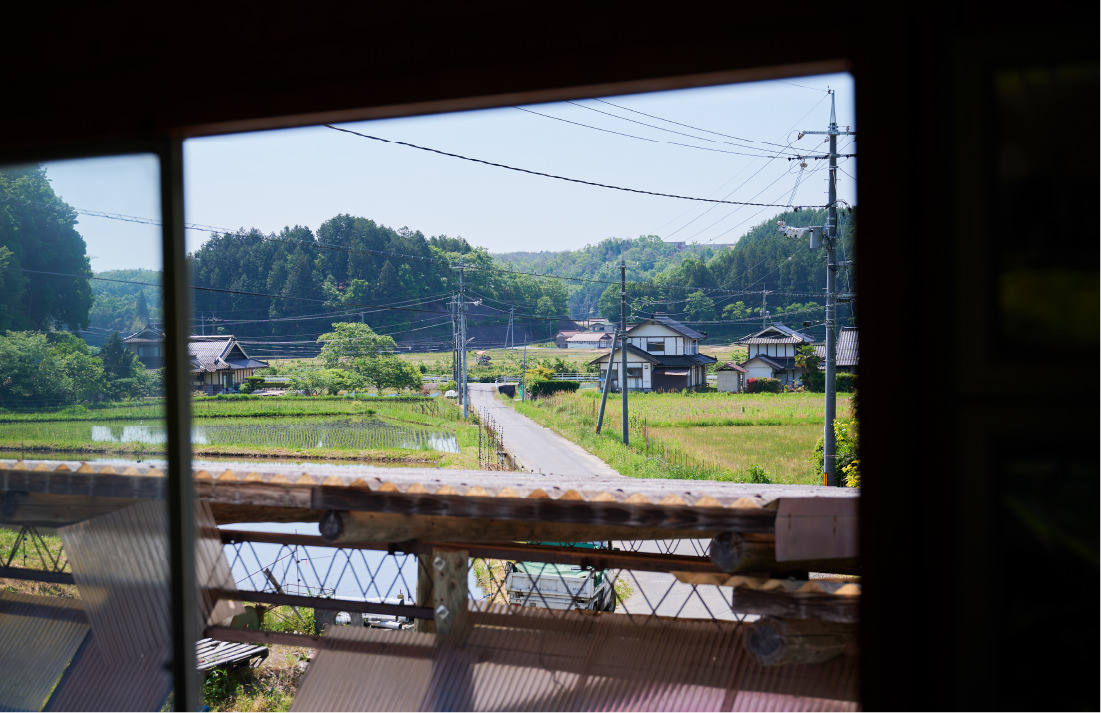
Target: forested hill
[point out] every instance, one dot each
(280, 291)
(123, 301)
(646, 257)
(702, 284)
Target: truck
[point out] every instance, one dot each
(560, 586)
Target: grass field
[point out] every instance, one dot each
(696, 436)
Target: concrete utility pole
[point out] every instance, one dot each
(829, 237)
(623, 353)
(764, 307)
(607, 384)
(524, 377)
(462, 328)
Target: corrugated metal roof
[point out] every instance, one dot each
(731, 366)
(38, 638)
(544, 661)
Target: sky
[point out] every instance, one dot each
(728, 142)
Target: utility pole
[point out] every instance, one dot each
(764, 307)
(524, 377)
(828, 234)
(607, 384)
(462, 329)
(510, 338)
(623, 354)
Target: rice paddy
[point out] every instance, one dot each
(707, 436)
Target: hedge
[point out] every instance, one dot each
(546, 388)
(764, 386)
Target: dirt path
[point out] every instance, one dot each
(535, 448)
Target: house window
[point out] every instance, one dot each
(634, 372)
(655, 346)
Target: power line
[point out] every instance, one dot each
(551, 175)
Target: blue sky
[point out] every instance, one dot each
(305, 176)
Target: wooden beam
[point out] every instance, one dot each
(789, 642)
(351, 526)
(735, 552)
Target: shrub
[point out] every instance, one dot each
(764, 386)
(816, 381)
(757, 474)
(546, 388)
(846, 382)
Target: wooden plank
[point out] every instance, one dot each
(734, 552)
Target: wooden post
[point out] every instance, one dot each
(424, 593)
(788, 642)
(449, 587)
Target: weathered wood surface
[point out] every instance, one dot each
(828, 600)
(210, 653)
(772, 641)
(736, 552)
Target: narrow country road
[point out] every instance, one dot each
(538, 449)
(535, 448)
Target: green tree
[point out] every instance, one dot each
(46, 278)
(391, 372)
(118, 361)
(699, 307)
(351, 342)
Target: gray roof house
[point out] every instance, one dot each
(771, 353)
(662, 355)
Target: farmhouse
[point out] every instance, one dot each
(562, 336)
(218, 363)
(590, 340)
(771, 353)
(662, 355)
(148, 345)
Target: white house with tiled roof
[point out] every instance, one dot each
(218, 363)
(771, 353)
(662, 355)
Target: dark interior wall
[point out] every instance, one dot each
(979, 522)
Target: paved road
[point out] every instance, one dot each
(538, 449)
(535, 448)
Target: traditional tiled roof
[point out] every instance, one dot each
(848, 349)
(776, 334)
(148, 335)
(209, 354)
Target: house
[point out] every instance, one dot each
(590, 340)
(847, 351)
(219, 364)
(148, 345)
(562, 336)
(731, 378)
(662, 355)
(771, 353)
